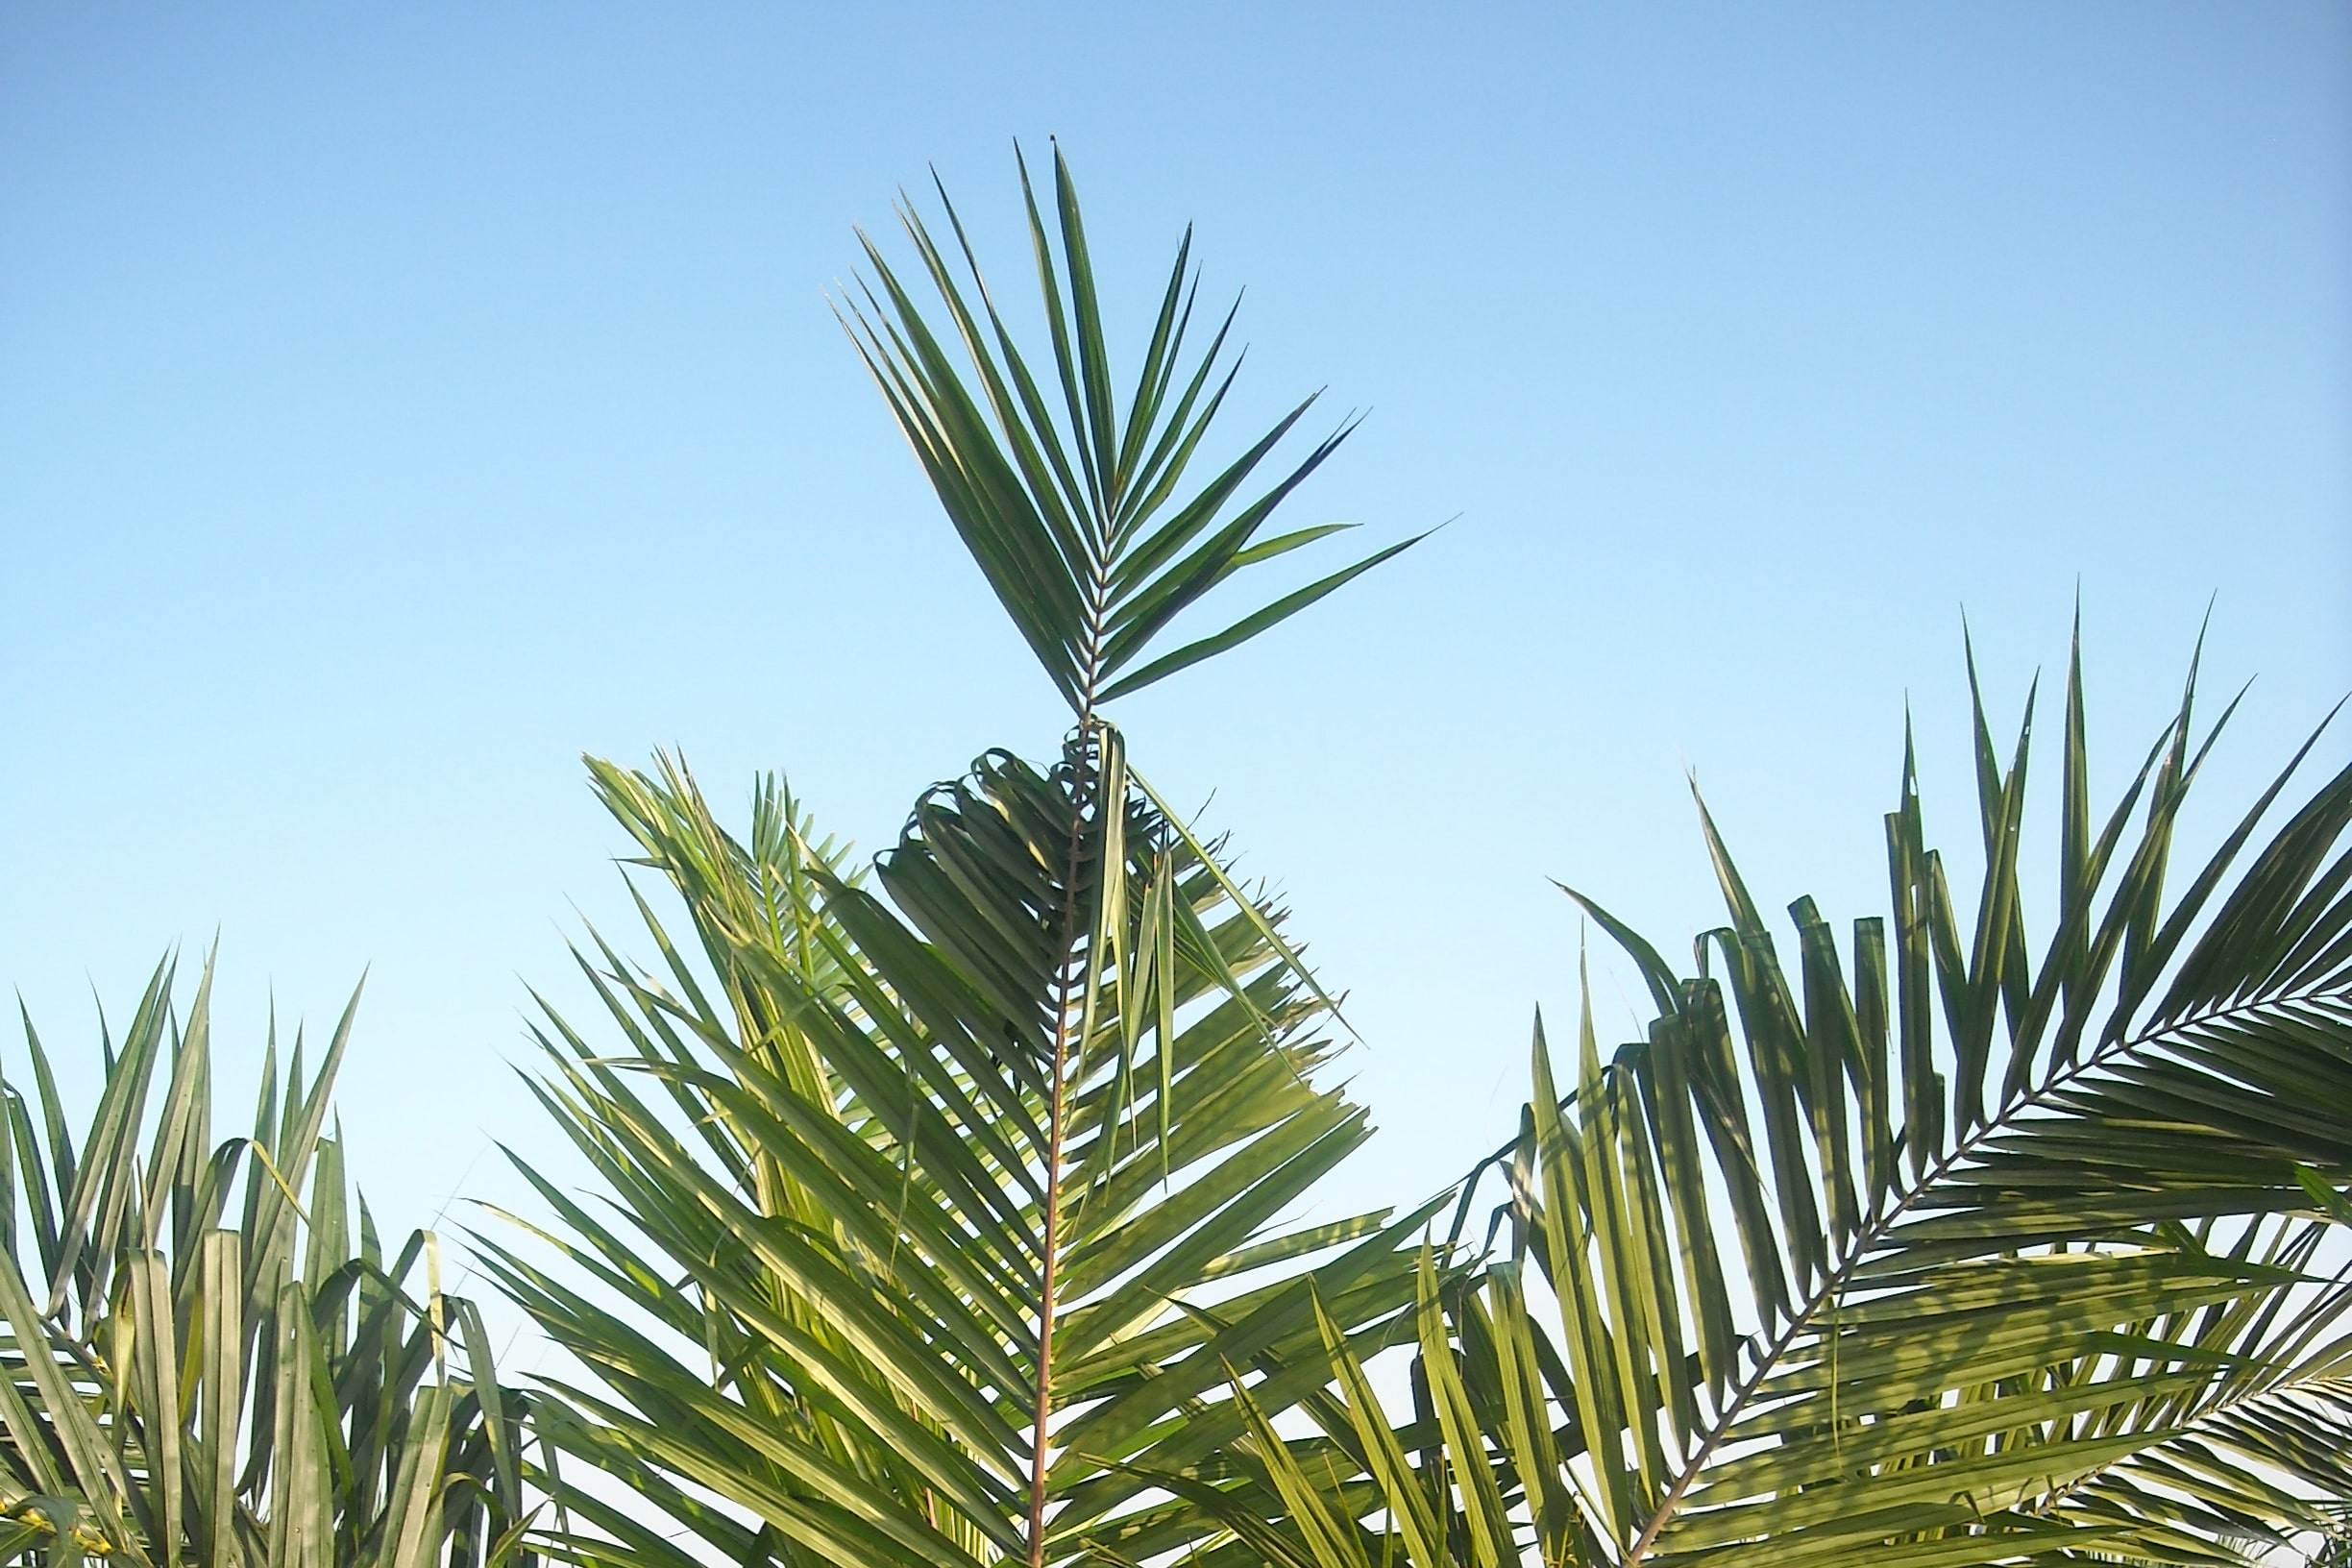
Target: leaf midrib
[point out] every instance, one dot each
(1057, 1118)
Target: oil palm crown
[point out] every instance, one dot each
(949, 1196)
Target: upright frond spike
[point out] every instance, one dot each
(1077, 514)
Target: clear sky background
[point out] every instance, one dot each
(397, 401)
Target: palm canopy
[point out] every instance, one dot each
(947, 1197)
(1930, 1252)
(949, 1204)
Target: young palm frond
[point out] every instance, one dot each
(207, 1360)
(1074, 506)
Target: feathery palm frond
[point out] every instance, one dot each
(1834, 1280)
(842, 1185)
(2258, 1455)
(1072, 502)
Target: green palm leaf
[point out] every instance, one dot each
(922, 1178)
(1077, 507)
(2258, 1455)
(1916, 1254)
(199, 1368)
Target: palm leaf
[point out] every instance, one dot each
(1936, 1252)
(1076, 509)
(215, 1375)
(908, 1187)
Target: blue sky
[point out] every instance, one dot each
(396, 402)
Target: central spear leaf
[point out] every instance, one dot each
(1073, 501)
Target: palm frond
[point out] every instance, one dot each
(870, 1227)
(1073, 499)
(1911, 1253)
(973, 1191)
(2257, 1455)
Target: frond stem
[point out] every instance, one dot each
(1082, 782)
